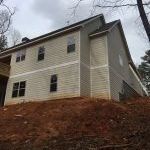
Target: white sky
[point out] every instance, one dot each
(36, 17)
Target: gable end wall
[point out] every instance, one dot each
(118, 73)
(37, 74)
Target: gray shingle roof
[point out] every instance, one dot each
(50, 34)
(105, 28)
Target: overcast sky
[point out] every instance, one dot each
(36, 17)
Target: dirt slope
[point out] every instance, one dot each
(76, 124)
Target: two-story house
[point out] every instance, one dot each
(89, 58)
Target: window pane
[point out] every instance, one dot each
(53, 87)
(71, 48)
(22, 57)
(71, 44)
(40, 57)
(41, 53)
(17, 59)
(21, 92)
(16, 86)
(120, 60)
(18, 54)
(15, 93)
(22, 85)
(41, 50)
(53, 78)
(23, 52)
(71, 40)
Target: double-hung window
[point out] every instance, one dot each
(20, 56)
(41, 53)
(71, 44)
(53, 83)
(19, 89)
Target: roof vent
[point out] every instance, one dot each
(25, 39)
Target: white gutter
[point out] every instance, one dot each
(144, 88)
(48, 36)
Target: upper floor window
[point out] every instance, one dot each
(71, 44)
(41, 53)
(53, 84)
(20, 56)
(19, 89)
(120, 60)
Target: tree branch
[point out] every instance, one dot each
(7, 21)
(121, 5)
(76, 6)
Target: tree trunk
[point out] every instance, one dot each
(144, 18)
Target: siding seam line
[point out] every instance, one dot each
(45, 69)
(95, 67)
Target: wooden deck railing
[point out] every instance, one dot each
(4, 69)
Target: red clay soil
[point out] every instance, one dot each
(76, 124)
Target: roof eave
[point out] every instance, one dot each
(21, 46)
(35, 41)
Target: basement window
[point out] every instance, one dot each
(19, 89)
(71, 45)
(20, 56)
(53, 84)
(41, 53)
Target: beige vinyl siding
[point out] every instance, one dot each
(85, 55)
(85, 41)
(116, 47)
(38, 85)
(84, 80)
(100, 83)
(55, 54)
(115, 84)
(99, 68)
(118, 73)
(99, 56)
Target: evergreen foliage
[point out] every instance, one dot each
(144, 69)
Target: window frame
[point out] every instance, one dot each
(41, 52)
(71, 44)
(20, 56)
(19, 89)
(121, 61)
(54, 84)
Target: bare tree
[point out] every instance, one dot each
(3, 42)
(143, 8)
(15, 37)
(5, 17)
(5, 21)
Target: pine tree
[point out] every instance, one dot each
(144, 69)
